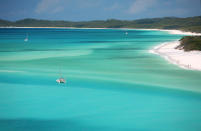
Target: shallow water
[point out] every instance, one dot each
(113, 82)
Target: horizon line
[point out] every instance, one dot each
(98, 19)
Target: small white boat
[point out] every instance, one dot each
(26, 39)
(61, 80)
(126, 33)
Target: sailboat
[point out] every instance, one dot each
(61, 80)
(26, 39)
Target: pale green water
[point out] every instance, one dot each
(113, 82)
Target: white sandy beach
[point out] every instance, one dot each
(187, 60)
(178, 32)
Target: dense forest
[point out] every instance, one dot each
(189, 43)
(186, 24)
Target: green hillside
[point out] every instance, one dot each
(189, 43)
(187, 24)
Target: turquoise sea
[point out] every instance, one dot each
(113, 82)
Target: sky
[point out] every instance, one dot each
(85, 10)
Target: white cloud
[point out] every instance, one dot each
(48, 5)
(139, 6)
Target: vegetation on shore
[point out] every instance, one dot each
(190, 43)
(192, 24)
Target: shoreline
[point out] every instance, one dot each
(190, 60)
(187, 60)
(171, 31)
(177, 32)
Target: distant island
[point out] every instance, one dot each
(192, 24)
(190, 43)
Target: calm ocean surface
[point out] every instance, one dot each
(113, 82)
